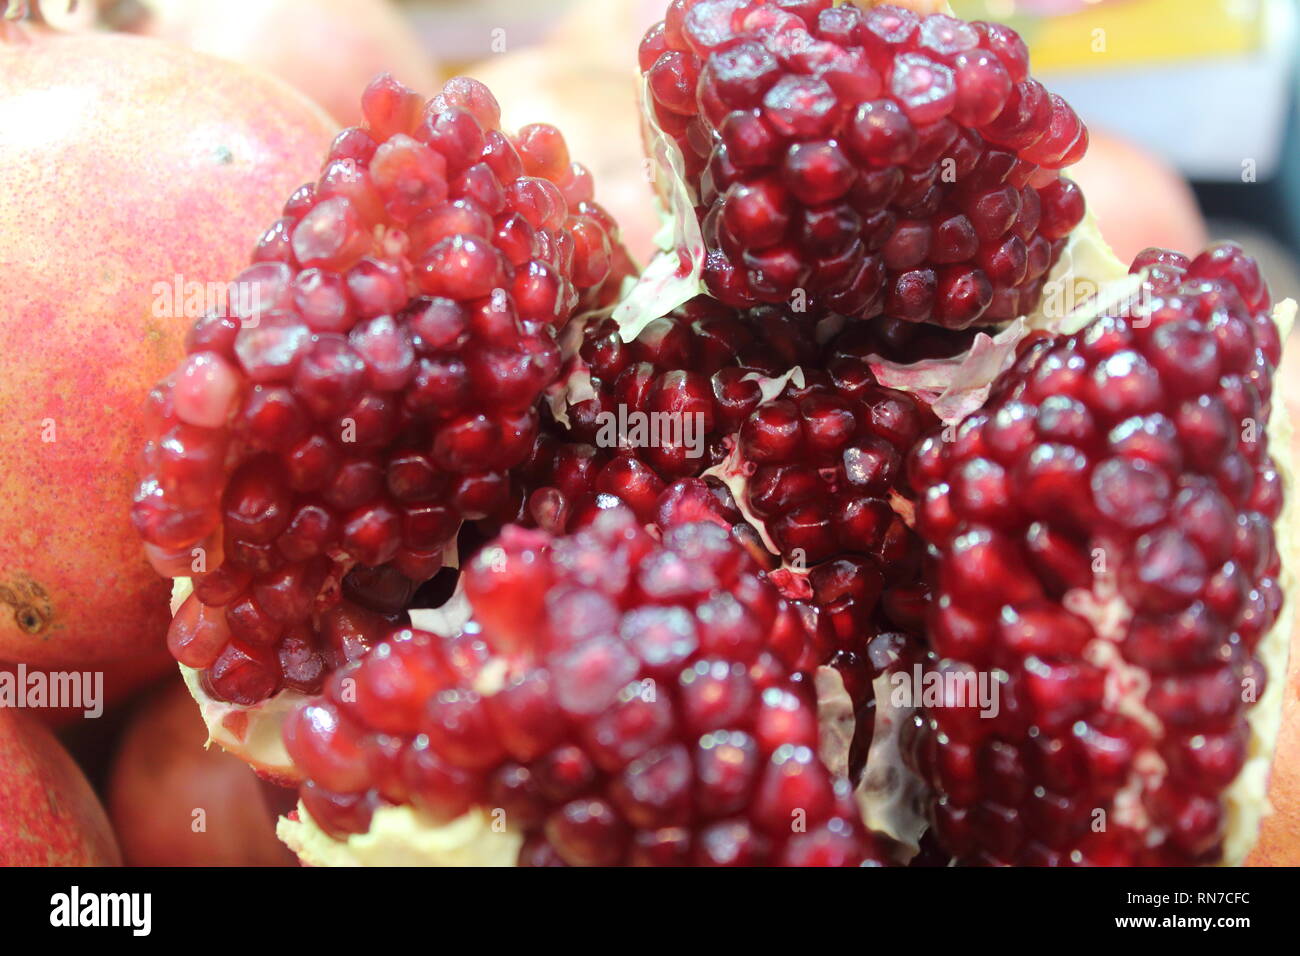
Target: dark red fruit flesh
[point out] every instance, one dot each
(1102, 533)
(625, 730)
(874, 161)
(373, 380)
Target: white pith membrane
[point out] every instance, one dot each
(1087, 281)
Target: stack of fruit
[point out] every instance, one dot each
(884, 518)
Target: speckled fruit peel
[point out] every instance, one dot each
(168, 162)
(49, 816)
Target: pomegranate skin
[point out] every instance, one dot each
(123, 680)
(170, 163)
(49, 816)
(1279, 834)
(162, 775)
(361, 38)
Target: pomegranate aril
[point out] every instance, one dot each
(243, 674)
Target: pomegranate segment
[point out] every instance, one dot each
(372, 382)
(1103, 547)
(876, 161)
(746, 422)
(613, 699)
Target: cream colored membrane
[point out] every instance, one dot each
(1086, 268)
(664, 284)
(403, 836)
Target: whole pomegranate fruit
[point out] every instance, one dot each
(173, 803)
(168, 161)
(49, 816)
(361, 38)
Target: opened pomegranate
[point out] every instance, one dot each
(611, 700)
(86, 327)
(323, 441)
(876, 161)
(1104, 549)
(699, 565)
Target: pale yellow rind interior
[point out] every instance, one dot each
(403, 836)
(1088, 267)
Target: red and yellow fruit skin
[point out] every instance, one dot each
(1279, 834)
(49, 816)
(128, 162)
(162, 775)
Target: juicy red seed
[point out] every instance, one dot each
(244, 674)
(389, 107)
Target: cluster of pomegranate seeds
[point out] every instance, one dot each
(372, 382)
(814, 466)
(1104, 549)
(882, 162)
(651, 707)
(818, 461)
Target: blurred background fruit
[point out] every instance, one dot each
(328, 49)
(129, 165)
(1139, 199)
(49, 816)
(173, 803)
